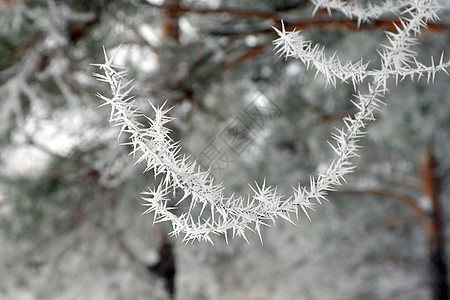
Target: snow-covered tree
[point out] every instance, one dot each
(71, 212)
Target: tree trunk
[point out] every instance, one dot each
(165, 268)
(170, 18)
(437, 257)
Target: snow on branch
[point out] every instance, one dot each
(292, 44)
(209, 211)
(352, 9)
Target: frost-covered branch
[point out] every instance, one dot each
(352, 9)
(292, 44)
(209, 210)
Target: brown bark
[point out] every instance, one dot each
(438, 264)
(330, 24)
(171, 14)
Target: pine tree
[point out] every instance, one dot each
(75, 217)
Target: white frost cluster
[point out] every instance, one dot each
(209, 211)
(352, 9)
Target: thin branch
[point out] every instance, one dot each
(392, 222)
(330, 25)
(399, 197)
(249, 54)
(223, 10)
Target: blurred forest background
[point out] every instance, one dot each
(70, 207)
